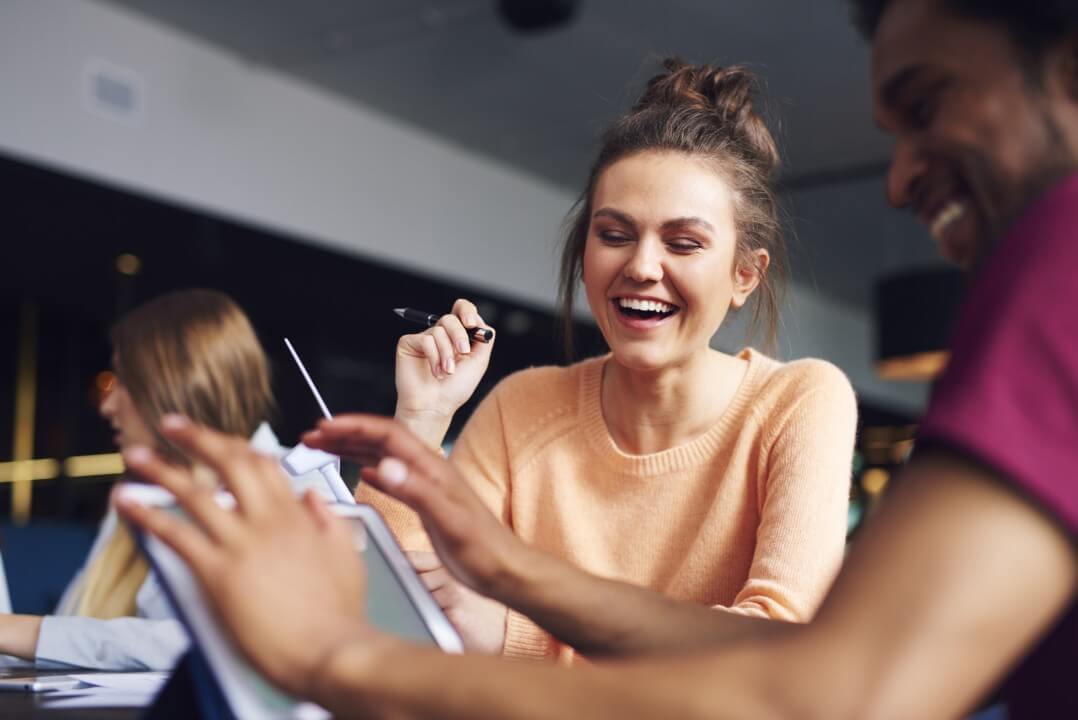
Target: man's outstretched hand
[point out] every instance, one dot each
(473, 545)
(283, 575)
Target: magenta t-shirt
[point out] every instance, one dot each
(1009, 401)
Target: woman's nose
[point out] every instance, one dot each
(645, 265)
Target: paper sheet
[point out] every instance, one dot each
(95, 698)
(140, 682)
(108, 690)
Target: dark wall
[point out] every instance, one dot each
(61, 236)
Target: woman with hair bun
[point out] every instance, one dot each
(716, 478)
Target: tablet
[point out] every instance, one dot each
(397, 603)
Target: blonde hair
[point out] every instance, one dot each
(192, 352)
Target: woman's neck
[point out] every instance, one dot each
(651, 411)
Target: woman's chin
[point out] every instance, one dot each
(641, 359)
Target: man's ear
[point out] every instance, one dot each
(748, 272)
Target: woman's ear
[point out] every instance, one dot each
(748, 272)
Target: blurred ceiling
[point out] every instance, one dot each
(537, 102)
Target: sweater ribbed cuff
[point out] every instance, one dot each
(524, 640)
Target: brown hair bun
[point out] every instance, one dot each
(727, 93)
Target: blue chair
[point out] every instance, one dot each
(41, 558)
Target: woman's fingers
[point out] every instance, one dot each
(445, 349)
(423, 560)
(430, 351)
(435, 579)
(446, 596)
(468, 313)
(422, 345)
(458, 335)
(469, 317)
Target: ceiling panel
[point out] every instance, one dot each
(451, 67)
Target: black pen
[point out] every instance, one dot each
(480, 334)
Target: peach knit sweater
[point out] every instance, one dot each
(749, 516)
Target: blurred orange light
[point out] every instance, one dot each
(105, 381)
(919, 367)
(875, 480)
(128, 264)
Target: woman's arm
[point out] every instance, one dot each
(18, 635)
(56, 641)
(119, 644)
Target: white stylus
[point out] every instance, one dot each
(310, 383)
(304, 459)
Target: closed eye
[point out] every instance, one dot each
(610, 237)
(684, 246)
(921, 103)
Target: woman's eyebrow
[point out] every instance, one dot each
(621, 217)
(688, 222)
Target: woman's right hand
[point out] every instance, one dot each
(479, 621)
(437, 370)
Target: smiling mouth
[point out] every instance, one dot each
(946, 218)
(636, 309)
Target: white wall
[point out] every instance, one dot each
(253, 145)
(249, 144)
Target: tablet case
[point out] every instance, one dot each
(191, 693)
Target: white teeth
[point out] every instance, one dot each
(645, 305)
(946, 217)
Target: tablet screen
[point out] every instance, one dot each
(388, 606)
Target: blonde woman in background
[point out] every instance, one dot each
(192, 352)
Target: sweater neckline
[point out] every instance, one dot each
(680, 457)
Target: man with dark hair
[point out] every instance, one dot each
(965, 578)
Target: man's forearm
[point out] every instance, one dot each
(403, 681)
(606, 617)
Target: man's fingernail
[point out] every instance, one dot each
(392, 471)
(137, 454)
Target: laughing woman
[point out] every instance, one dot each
(717, 478)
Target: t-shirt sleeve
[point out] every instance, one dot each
(1009, 397)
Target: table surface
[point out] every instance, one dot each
(29, 706)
